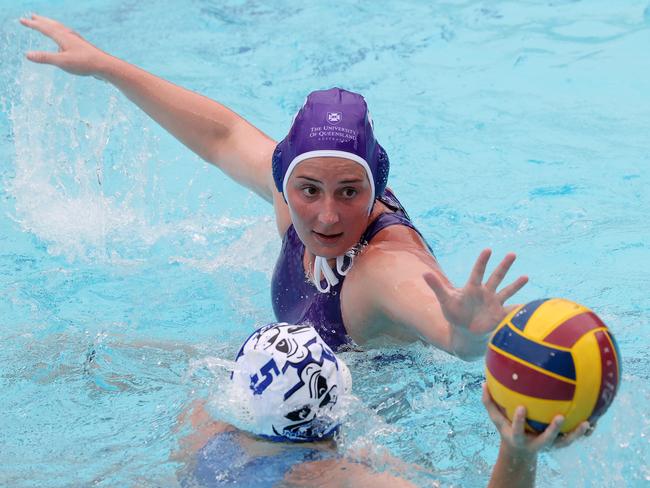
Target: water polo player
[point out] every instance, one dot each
(289, 385)
(352, 263)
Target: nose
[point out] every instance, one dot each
(329, 214)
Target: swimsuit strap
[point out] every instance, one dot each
(398, 216)
(383, 221)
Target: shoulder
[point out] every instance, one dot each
(396, 233)
(394, 249)
(400, 237)
(388, 270)
(395, 257)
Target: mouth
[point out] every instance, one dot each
(327, 238)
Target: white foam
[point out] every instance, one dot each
(84, 189)
(255, 250)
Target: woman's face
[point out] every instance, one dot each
(328, 202)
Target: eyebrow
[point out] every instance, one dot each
(342, 182)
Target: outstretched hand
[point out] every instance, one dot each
(76, 55)
(477, 307)
(514, 436)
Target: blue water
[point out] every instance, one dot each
(129, 268)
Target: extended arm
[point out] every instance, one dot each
(214, 132)
(400, 287)
(516, 464)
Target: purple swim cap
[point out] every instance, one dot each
(333, 123)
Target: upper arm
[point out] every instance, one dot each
(203, 427)
(245, 156)
(390, 293)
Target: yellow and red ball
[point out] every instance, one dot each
(553, 356)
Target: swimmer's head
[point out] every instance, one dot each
(292, 381)
(332, 123)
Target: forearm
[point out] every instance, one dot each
(192, 118)
(513, 470)
(211, 130)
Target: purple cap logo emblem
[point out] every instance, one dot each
(318, 130)
(334, 117)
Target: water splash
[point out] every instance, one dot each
(85, 190)
(63, 158)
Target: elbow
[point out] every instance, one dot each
(212, 152)
(216, 145)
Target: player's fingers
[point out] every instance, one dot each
(512, 288)
(576, 433)
(43, 57)
(478, 271)
(546, 438)
(495, 413)
(518, 423)
(500, 272)
(48, 27)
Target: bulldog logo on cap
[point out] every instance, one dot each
(334, 117)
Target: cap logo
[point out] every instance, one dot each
(334, 117)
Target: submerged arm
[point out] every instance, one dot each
(211, 130)
(516, 464)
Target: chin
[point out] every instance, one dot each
(329, 252)
(325, 252)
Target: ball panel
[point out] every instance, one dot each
(567, 333)
(526, 380)
(521, 316)
(588, 371)
(537, 409)
(552, 359)
(619, 366)
(508, 318)
(555, 357)
(534, 426)
(610, 374)
(549, 315)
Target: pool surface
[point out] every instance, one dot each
(131, 271)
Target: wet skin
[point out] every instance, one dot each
(328, 216)
(329, 200)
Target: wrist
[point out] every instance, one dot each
(468, 345)
(516, 457)
(515, 468)
(105, 67)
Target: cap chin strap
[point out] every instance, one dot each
(322, 271)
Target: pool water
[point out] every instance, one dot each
(131, 270)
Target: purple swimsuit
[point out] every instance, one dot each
(297, 301)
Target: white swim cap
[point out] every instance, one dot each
(293, 381)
